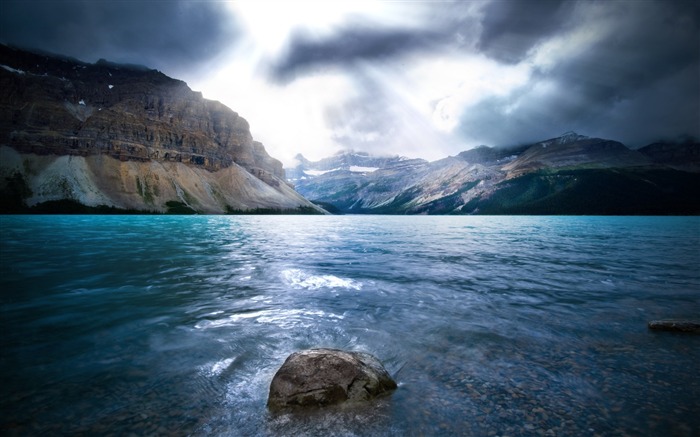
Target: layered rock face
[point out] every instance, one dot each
(133, 134)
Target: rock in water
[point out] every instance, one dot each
(675, 325)
(320, 377)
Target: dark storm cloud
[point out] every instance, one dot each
(665, 110)
(348, 46)
(648, 44)
(512, 28)
(171, 35)
(638, 84)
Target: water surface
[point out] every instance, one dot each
(175, 325)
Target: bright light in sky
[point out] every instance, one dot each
(292, 117)
(447, 85)
(288, 119)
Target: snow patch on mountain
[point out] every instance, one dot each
(318, 172)
(358, 169)
(565, 138)
(12, 70)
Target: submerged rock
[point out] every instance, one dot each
(320, 377)
(675, 325)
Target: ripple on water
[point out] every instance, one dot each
(492, 325)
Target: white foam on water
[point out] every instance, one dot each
(215, 369)
(282, 318)
(301, 279)
(251, 384)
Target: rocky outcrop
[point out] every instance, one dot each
(675, 325)
(131, 128)
(321, 377)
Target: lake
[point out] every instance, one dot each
(492, 326)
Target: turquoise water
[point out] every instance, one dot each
(175, 325)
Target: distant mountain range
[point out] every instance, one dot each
(104, 137)
(570, 174)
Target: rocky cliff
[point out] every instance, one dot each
(126, 137)
(570, 174)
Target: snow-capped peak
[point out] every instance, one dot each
(570, 137)
(565, 138)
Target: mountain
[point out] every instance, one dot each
(569, 174)
(683, 155)
(104, 136)
(353, 180)
(349, 161)
(574, 150)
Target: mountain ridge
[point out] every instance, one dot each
(546, 177)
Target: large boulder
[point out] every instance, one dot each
(320, 377)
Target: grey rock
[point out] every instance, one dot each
(675, 325)
(321, 377)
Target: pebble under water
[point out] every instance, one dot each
(492, 326)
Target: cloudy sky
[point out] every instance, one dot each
(417, 78)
